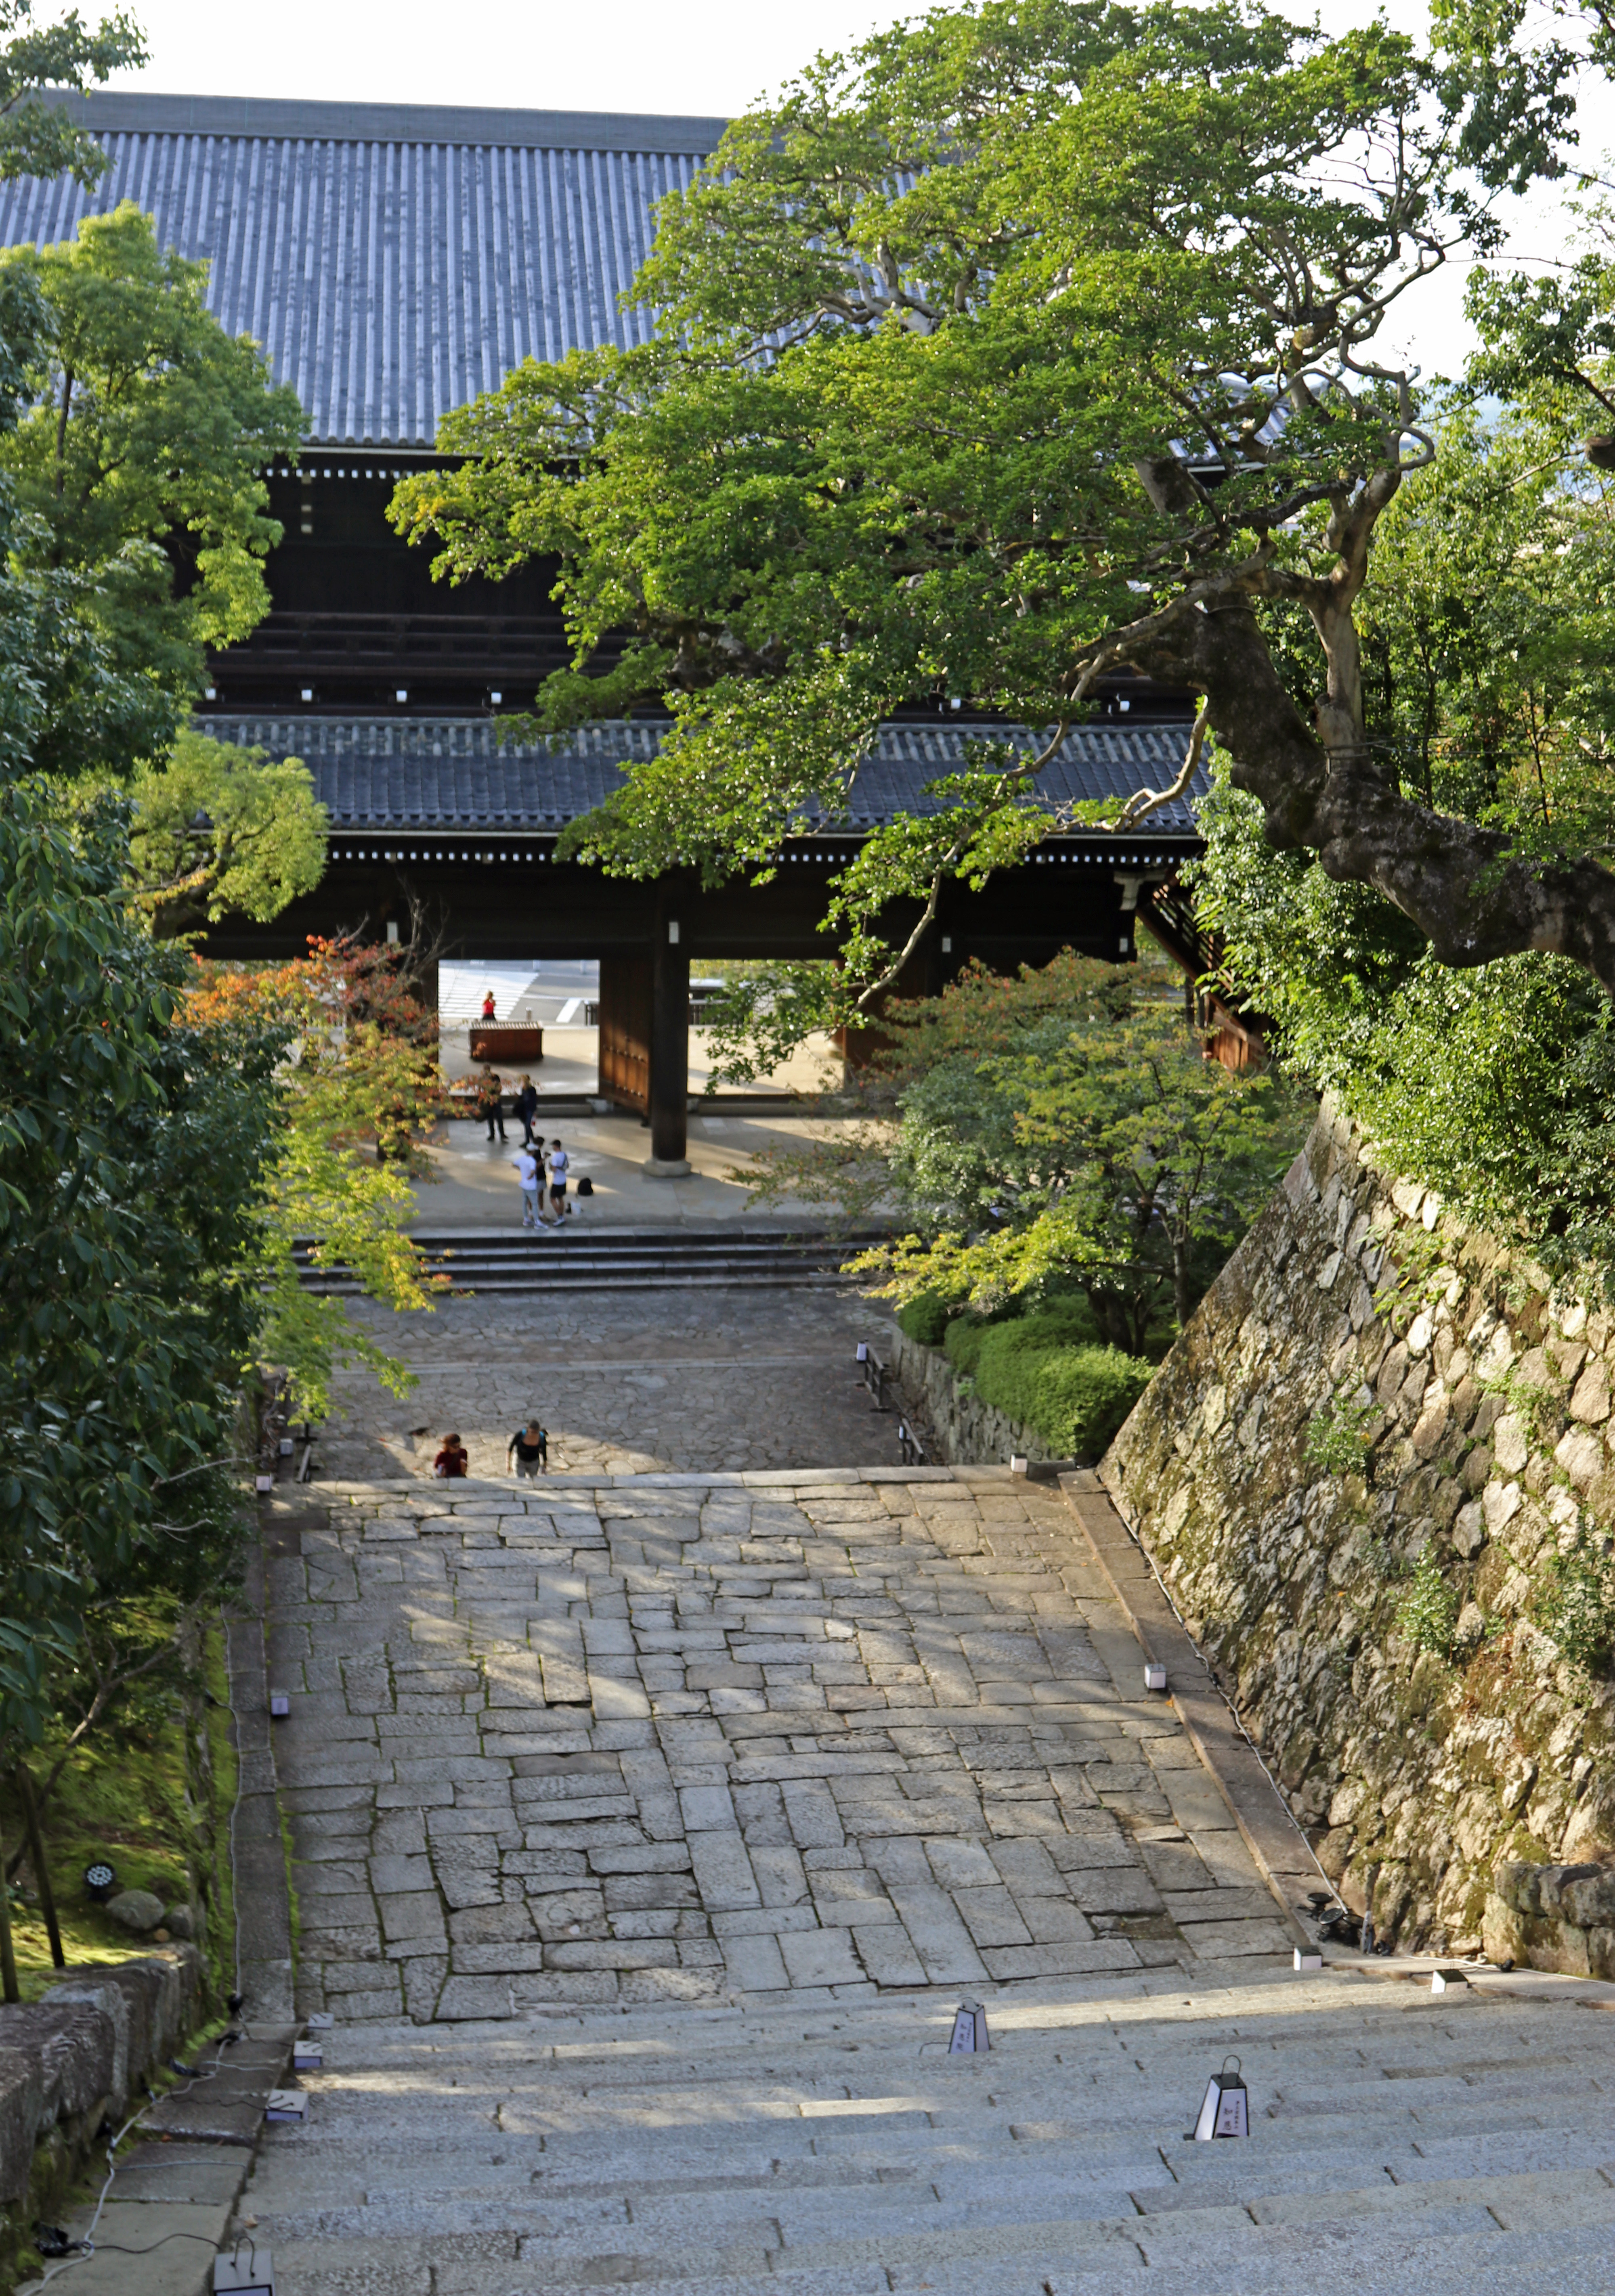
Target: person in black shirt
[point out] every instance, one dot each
(530, 1449)
(527, 1108)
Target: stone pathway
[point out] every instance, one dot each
(712, 1738)
(626, 1382)
(1397, 2145)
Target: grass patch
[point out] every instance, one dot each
(157, 1807)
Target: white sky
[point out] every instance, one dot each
(703, 56)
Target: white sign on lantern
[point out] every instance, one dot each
(1225, 2108)
(969, 2036)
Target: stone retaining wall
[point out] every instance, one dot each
(74, 2060)
(969, 1433)
(1477, 1406)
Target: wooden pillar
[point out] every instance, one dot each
(669, 1046)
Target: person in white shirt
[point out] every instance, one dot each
(558, 1161)
(529, 1171)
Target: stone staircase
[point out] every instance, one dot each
(582, 1257)
(1400, 2142)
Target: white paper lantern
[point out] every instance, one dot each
(290, 2104)
(1154, 1675)
(1226, 2108)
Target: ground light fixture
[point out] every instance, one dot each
(1225, 2108)
(100, 1878)
(1154, 1675)
(247, 2271)
(969, 2038)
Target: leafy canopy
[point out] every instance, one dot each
(219, 830)
(138, 467)
(986, 360)
(1063, 1128)
(36, 136)
(132, 1147)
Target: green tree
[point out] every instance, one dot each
(138, 468)
(219, 830)
(132, 1155)
(1065, 1128)
(36, 136)
(1069, 313)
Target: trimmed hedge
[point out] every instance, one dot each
(1043, 1369)
(1075, 1396)
(1070, 1326)
(924, 1318)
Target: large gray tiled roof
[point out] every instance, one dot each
(393, 260)
(397, 773)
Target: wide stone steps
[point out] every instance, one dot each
(1397, 2143)
(581, 1256)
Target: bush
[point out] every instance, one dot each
(963, 1342)
(1074, 1397)
(924, 1318)
(1577, 1605)
(1430, 1611)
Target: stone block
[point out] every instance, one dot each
(754, 1964)
(1590, 1402)
(820, 1957)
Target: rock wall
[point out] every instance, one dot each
(1354, 1471)
(967, 1431)
(74, 2060)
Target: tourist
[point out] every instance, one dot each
(490, 1102)
(487, 1005)
(527, 1108)
(530, 1449)
(529, 1171)
(558, 1171)
(452, 1461)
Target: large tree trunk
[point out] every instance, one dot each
(1441, 872)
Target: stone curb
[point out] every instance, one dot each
(1269, 1831)
(263, 1903)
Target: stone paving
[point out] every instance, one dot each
(729, 1737)
(627, 1382)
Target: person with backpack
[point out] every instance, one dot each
(529, 1450)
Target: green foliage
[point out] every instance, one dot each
(138, 469)
(1066, 1129)
(260, 840)
(132, 1154)
(925, 1318)
(1007, 260)
(38, 138)
(1075, 1398)
(1574, 1603)
(1429, 1613)
(1496, 1086)
(1335, 1444)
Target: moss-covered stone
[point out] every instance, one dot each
(1464, 1408)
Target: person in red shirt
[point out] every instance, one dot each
(487, 1005)
(452, 1459)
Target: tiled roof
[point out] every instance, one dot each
(392, 260)
(376, 773)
